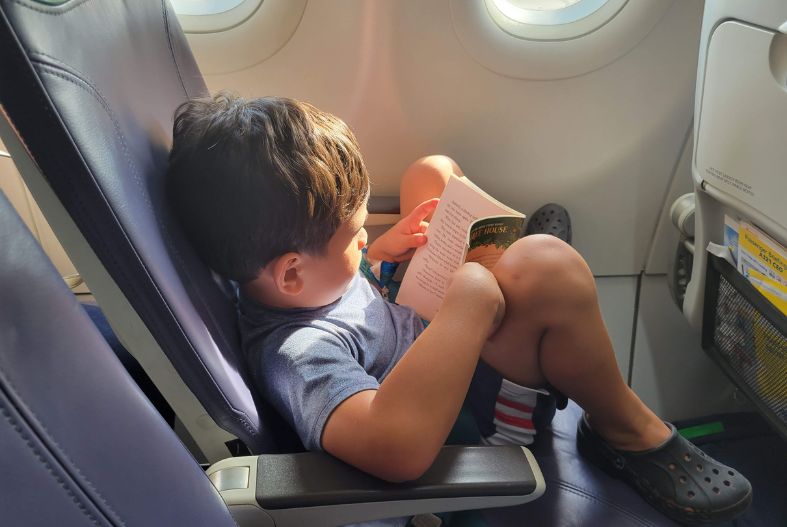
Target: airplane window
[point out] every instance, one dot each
(211, 16)
(552, 39)
(203, 7)
(232, 35)
(547, 12)
(552, 19)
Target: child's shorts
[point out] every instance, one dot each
(505, 412)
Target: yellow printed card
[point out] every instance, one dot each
(765, 254)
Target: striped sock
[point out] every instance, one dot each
(513, 417)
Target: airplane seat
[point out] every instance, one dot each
(79, 443)
(740, 220)
(88, 90)
(128, 361)
(95, 117)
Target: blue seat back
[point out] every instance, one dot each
(91, 89)
(80, 443)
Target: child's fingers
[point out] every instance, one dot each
(420, 213)
(417, 239)
(412, 242)
(405, 256)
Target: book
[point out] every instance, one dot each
(468, 225)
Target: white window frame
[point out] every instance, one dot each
(203, 7)
(243, 36)
(550, 52)
(568, 23)
(213, 16)
(546, 17)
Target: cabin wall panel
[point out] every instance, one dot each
(671, 372)
(604, 144)
(617, 298)
(14, 187)
(667, 236)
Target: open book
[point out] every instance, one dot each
(468, 225)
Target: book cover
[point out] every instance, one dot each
(461, 204)
(488, 238)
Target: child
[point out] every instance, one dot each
(273, 194)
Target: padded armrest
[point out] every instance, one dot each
(316, 489)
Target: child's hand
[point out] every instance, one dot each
(399, 242)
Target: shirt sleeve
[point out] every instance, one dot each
(311, 372)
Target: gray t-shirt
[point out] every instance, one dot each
(305, 362)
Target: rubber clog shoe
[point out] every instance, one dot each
(550, 219)
(677, 478)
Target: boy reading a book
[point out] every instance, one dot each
(273, 194)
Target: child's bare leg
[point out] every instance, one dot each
(425, 179)
(553, 332)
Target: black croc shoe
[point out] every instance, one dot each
(550, 219)
(677, 478)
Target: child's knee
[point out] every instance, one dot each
(437, 165)
(545, 270)
(426, 178)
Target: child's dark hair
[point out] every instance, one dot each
(250, 180)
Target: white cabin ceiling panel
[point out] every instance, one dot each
(603, 144)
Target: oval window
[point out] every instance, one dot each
(552, 19)
(203, 7)
(231, 35)
(552, 39)
(212, 16)
(547, 12)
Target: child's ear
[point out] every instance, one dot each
(287, 271)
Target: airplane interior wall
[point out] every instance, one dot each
(18, 194)
(612, 145)
(605, 144)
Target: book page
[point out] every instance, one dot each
(427, 276)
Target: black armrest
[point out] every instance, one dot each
(457, 472)
(316, 489)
